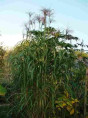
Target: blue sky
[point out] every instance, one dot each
(72, 14)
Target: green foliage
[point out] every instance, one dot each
(4, 111)
(67, 103)
(2, 91)
(2, 53)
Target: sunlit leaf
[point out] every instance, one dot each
(2, 91)
(72, 111)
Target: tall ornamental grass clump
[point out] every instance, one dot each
(43, 67)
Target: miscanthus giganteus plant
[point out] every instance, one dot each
(42, 68)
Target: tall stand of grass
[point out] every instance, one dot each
(42, 68)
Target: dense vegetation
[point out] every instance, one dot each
(47, 73)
